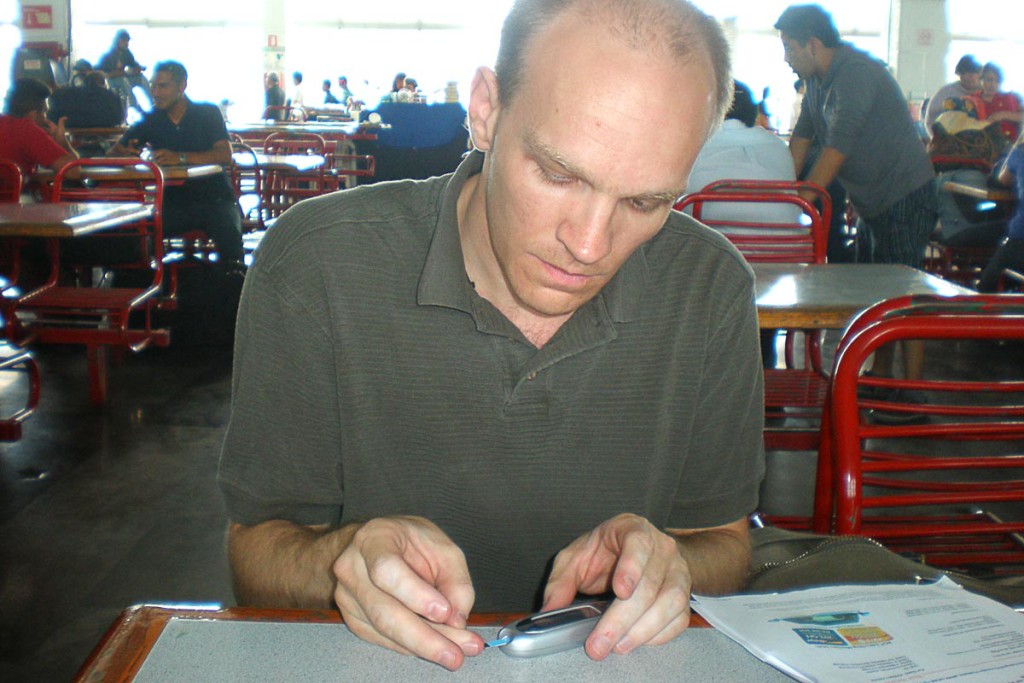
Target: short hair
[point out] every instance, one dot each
(121, 35)
(273, 77)
(327, 82)
(342, 78)
(297, 76)
(967, 65)
(993, 68)
(96, 79)
(743, 106)
(675, 26)
(27, 95)
(175, 70)
(803, 22)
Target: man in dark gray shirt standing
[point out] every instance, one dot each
(854, 109)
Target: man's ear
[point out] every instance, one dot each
(483, 108)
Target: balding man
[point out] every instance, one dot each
(524, 381)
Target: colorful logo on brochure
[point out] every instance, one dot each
(837, 629)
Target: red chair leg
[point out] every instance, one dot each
(97, 355)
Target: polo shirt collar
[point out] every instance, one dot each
(444, 282)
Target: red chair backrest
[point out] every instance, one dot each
(10, 181)
(803, 240)
(295, 143)
(145, 187)
(839, 495)
(822, 195)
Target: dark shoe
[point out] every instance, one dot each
(896, 419)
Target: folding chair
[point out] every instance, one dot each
(91, 313)
(931, 490)
(794, 394)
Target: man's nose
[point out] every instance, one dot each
(587, 233)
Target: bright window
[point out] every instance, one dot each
(10, 39)
(222, 43)
(988, 30)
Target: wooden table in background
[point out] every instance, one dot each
(300, 163)
(257, 132)
(792, 296)
(995, 194)
(173, 175)
(66, 219)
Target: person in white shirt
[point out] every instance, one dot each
(968, 71)
(739, 149)
(298, 110)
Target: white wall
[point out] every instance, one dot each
(919, 39)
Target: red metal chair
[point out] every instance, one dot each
(10, 181)
(284, 188)
(19, 361)
(99, 316)
(13, 359)
(348, 167)
(795, 393)
(802, 240)
(10, 248)
(920, 488)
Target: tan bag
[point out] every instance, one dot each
(788, 560)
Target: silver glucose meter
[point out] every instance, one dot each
(548, 632)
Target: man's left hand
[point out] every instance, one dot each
(643, 566)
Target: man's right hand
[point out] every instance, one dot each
(403, 584)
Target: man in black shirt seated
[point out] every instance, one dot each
(180, 131)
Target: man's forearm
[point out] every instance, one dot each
(826, 168)
(220, 156)
(719, 559)
(282, 564)
(798, 149)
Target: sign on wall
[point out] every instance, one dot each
(36, 16)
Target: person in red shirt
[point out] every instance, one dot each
(27, 137)
(1005, 107)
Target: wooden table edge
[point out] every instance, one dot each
(127, 643)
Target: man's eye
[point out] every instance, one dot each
(643, 205)
(554, 178)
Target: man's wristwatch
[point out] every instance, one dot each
(182, 159)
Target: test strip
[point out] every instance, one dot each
(499, 642)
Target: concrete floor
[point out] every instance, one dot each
(104, 508)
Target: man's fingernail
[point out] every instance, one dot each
(601, 646)
(437, 612)
(447, 660)
(624, 646)
(472, 648)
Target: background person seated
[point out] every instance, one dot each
(92, 105)
(968, 72)
(1005, 107)
(1011, 252)
(741, 149)
(27, 137)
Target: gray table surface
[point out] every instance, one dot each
(197, 650)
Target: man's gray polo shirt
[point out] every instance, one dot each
(371, 379)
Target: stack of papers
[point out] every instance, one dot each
(919, 633)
